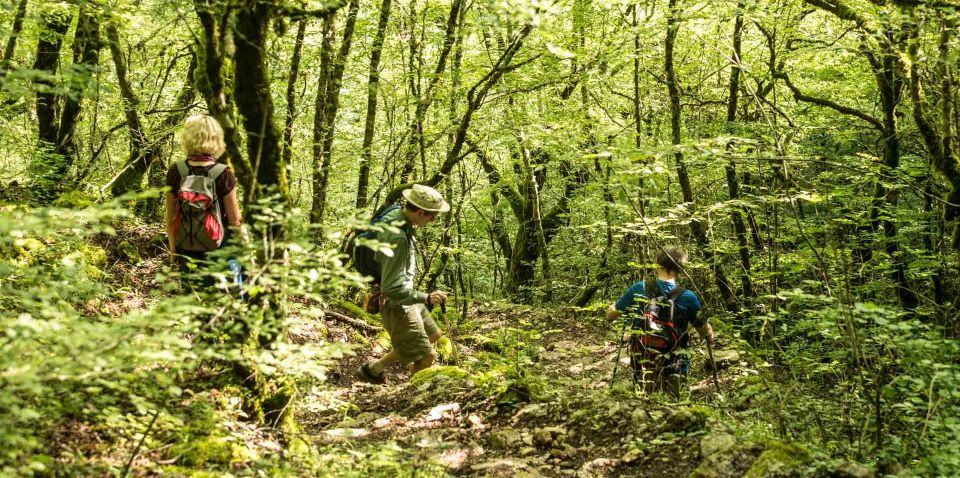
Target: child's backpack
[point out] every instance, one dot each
(363, 256)
(659, 333)
(198, 227)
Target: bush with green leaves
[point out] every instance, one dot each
(64, 359)
(858, 377)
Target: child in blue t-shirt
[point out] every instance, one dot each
(663, 370)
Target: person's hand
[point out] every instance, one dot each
(437, 297)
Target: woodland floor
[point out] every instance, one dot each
(574, 426)
(530, 396)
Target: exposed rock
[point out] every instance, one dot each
(779, 460)
(506, 468)
(723, 457)
(598, 467)
(547, 436)
(724, 359)
(852, 470)
(506, 438)
(720, 443)
(685, 420)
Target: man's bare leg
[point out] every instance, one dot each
(387, 360)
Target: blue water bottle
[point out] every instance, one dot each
(237, 278)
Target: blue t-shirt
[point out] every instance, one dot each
(685, 312)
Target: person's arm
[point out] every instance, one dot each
(706, 332)
(172, 210)
(612, 312)
(392, 279)
(232, 204)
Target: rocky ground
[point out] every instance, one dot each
(528, 394)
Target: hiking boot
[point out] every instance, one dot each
(368, 376)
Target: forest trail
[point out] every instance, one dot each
(557, 416)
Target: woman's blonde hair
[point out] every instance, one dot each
(202, 135)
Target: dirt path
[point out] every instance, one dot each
(531, 398)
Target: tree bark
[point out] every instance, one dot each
(733, 183)
(53, 26)
(373, 85)
(319, 107)
(292, 92)
(331, 106)
(11, 46)
(697, 226)
(254, 99)
(937, 138)
(216, 41)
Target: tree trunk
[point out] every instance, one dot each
(86, 53)
(11, 46)
(331, 106)
(209, 78)
(699, 232)
(143, 152)
(53, 26)
(733, 184)
(373, 85)
(319, 106)
(254, 99)
(425, 99)
(292, 92)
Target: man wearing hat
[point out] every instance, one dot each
(405, 316)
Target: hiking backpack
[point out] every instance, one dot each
(658, 330)
(363, 256)
(199, 226)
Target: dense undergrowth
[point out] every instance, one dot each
(108, 368)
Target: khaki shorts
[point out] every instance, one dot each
(410, 328)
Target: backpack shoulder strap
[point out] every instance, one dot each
(676, 293)
(215, 171)
(183, 169)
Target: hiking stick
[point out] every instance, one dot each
(616, 364)
(713, 365)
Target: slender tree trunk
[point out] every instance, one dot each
(11, 46)
(53, 26)
(887, 74)
(425, 99)
(319, 107)
(373, 85)
(733, 184)
(254, 99)
(292, 92)
(331, 106)
(86, 53)
(699, 232)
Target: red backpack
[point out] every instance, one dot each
(199, 226)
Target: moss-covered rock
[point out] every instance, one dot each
(724, 457)
(74, 200)
(431, 374)
(686, 420)
(779, 460)
(27, 250)
(129, 252)
(446, 351)
(207, 450)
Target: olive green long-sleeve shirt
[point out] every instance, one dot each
(397, 271)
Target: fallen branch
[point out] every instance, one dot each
(352, 322)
